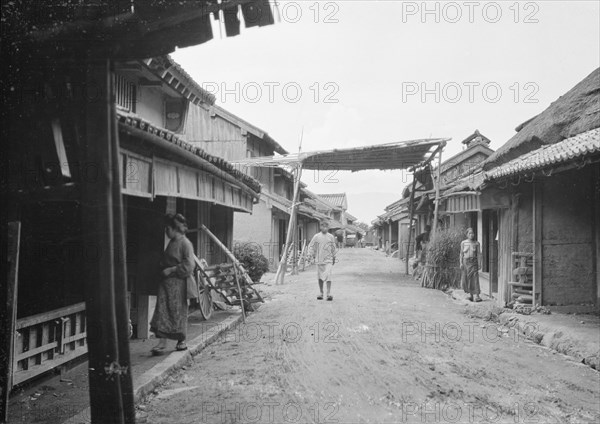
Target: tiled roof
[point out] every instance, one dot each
(350, 217)
(336, 199)
(574, 148)
(354, 229)
(176, 77)
(469, 182)
(135, 121)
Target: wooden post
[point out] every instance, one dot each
(390, 236)
(106, 402)
(241, 295)
(12, 290)
(121, 298)
(296, 243)
(410, 222)
(437, 195)
(537, 244)
(596, 224)
(280, 276)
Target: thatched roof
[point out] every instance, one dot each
(575, 112)
(399, 155)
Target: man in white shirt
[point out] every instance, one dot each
(322, 249)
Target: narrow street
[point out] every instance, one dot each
(384, 351)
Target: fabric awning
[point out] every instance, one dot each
(399, 155)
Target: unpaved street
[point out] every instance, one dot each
(384, 351)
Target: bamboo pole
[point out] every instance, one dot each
(437, 194)
(296, 244)
(280, 276)
(230, 255)
(410, 222)
(303, 255)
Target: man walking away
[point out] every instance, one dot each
(322, 249)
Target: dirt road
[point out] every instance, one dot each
(384, 351)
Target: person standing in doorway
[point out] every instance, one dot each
(171, 314)
(470, 264)
(322, 248)
(420, 251)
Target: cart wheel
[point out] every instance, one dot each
(206, 304)
(248, 306)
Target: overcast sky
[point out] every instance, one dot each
(355, 73)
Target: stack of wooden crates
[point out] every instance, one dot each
(521, 288)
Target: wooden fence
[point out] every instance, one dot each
(48, 340)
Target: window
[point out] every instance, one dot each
(125, 93)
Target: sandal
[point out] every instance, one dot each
(181, 346)
(330, 298)
(157, 351)
(320, 297)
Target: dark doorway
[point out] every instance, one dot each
(282, 235)
(489, 248)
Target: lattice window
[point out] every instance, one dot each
(125, 93)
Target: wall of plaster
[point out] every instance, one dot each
(568, 239)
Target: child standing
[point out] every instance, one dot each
(470, 263)
(322, 249)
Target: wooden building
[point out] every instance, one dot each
(92, 167)
(538, 207)
(160, 173)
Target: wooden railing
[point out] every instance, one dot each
(48, 340)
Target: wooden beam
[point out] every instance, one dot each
(410, 222)
(60, 193)
(9, 330)
(106, 403)
(437, 192)
(145, 82)
(129, 66)
(596, 224)
(537, 243)
(120, 273)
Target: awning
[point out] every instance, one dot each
(278, 202)
(463, 202)
(399, 155)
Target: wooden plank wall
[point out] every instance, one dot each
(214, 134)
(505, 232)
(147, 177)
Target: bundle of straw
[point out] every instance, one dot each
(442, 267)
